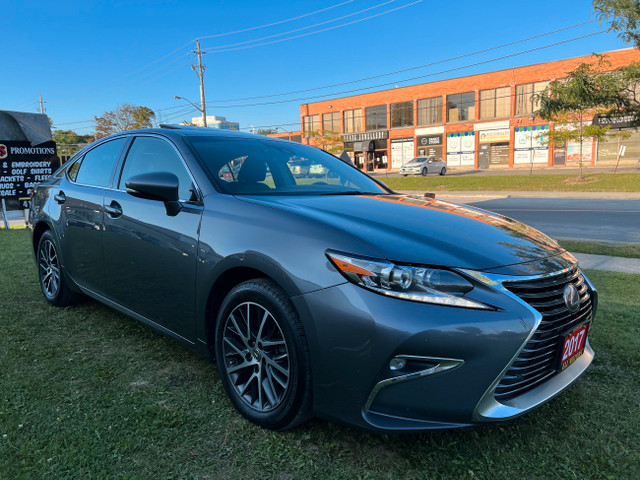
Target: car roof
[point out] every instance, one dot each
(183, 131)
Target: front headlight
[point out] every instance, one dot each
(419, 284)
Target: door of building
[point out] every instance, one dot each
(483, 155)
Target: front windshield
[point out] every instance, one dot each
(241, 166)
(417, 160)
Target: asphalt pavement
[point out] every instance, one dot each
(595, 216)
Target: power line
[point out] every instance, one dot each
(214, 50)
(477, 52)
(219, 47)
(274, 23)
(187, 44)
(412, 78)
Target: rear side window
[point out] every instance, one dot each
(96, 166)
(150, 154)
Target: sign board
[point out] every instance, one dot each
(614, 122)
(27, 153)
(494, 136)
(401, 151)
(361, 137)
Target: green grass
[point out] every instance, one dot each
(629, 250)
(601, 182)
(88, 393)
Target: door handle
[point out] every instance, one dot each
(113, 209)
(60, 197)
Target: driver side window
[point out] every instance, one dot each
(151, 154)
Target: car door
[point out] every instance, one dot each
(78, 208)
(150, 256)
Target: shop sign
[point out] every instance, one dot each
(494, 136)
(429, 140)
(23, 166)
(400, 140)
(362, 137)
(614, 122)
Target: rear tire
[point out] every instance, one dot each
(443, 171)
(263, 356)
(53, 281)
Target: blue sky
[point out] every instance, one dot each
(86, 58)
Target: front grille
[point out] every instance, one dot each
(537, 360)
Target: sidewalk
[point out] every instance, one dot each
(475, 195)
(611, 264)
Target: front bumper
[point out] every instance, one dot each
(456, 356)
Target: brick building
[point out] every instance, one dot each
(480, 121)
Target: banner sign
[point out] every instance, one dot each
(23, 166)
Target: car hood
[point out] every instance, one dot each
(411, 229)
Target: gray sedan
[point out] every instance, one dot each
(320, 293)
(424, 166)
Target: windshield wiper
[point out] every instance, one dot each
(354, 192)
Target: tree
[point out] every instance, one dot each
(69, 142)
(572, 102)
(125, 117)
(328, 141)
(623, 17)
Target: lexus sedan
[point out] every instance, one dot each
(423, 166)
(326, 296)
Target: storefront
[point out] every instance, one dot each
(493, 144)
(368, 150)
(531, 146)
(401, 151)
(461, 149)
(621, 139)
(429, 141)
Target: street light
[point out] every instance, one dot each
(200, 109)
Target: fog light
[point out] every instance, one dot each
(397, 363)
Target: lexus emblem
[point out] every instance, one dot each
(571, 298)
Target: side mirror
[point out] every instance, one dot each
(161, 186)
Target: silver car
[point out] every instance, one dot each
(424, 166)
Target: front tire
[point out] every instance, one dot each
(263, 356)
(424, 172)
(51, 273)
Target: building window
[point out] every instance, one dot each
(376, 117)
(461, 107)
(526, 97)
(352, 120)
(401, 114)
(495, 103)
(430, 111)
(311, 123)
(331, 122)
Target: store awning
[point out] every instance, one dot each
(366, 146)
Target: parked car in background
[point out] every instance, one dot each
(424, 166)
(333, 297)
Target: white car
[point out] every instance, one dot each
(424, 166)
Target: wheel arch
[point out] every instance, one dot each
(38, 230)
(226, 281)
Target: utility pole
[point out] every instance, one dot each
(199, 69)
(42, 104)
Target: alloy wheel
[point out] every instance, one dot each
(256, 356)
(49, 268)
